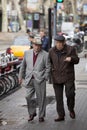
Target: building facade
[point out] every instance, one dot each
(0, 16)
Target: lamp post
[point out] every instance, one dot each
(55, 17)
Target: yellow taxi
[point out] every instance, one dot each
(19, 46)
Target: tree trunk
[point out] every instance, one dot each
(21, 21)
(4, 16)
(74, 8)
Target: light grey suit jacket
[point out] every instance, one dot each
(40, 70)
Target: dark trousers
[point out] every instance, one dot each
(70, 94)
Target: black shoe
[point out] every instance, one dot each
(72, 114)
(32, 117)
(41, 119)
(60, 118)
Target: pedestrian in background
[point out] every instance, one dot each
(44, 40)
(28, 31)
(63, 58)
(35, 70)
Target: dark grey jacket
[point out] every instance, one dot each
(63, 71)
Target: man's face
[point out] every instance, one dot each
(59, 45)
(37, 48)
(42, 34)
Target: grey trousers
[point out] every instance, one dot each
(40, 90)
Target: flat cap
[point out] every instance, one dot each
(37, 41)
(60, 38)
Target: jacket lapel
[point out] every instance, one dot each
(31, 58)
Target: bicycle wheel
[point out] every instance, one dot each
(15, 78)
(12, 81)
(2, 87)
(8, 83)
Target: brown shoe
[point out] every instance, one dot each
(41, 119)
(72, 114)
(32, 117)
(60, 118)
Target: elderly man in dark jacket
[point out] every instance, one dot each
(63, 58)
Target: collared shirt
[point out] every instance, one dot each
(34, 57)
(34, 60)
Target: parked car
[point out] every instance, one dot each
(19, 45)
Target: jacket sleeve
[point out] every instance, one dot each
(22, 69)
(48, 67)
(45, 43)
(74, 56)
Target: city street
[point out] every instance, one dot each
(14, 115)
(42, 24)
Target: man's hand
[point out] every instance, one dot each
(20, 81)
(68, 59)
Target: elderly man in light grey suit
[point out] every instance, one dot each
(35, 70)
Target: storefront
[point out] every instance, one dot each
(35, 15)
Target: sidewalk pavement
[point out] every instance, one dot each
(14, 113)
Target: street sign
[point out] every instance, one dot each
(36, 16)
